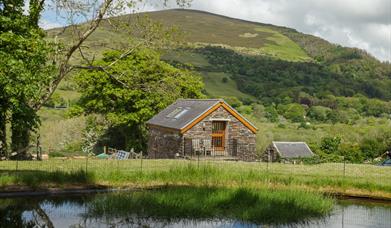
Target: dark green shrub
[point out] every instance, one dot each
(294, 112)
(259, 111)
(271, 113)
(56, 101)
(304, 125)
(233, 101)
(351, 153)
(372, 148)
(319, 113)
(330, 145)
(245, 109)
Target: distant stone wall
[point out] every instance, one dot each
(164, 143)
(236, 133)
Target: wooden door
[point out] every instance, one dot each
(218, 135)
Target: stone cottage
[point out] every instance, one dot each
(287, 151)
(201, 127)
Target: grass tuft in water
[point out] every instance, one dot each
(265, 206)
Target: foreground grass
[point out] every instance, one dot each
(359, 180)
(246, 204)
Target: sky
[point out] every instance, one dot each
(364, 24)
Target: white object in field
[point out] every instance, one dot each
(122, 155)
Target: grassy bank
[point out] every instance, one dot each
(359, 180)
(246, 204)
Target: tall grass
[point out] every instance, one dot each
(360, 180)
(246, 204)
(39, 179)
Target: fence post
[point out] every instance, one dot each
(268, 159)
(260, 162)
(198, 160)
(38, 148)
(87, 163)
(205, 176)
(344, 167)
(141, 165)
(17, 165)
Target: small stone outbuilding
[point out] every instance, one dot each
(201, 127)
(287, 151)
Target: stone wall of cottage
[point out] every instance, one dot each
(236, 134)
(270, 154)
(164, 143)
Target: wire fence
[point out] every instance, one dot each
(366, 173)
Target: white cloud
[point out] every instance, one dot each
(46, 24)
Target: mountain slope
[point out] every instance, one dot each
(255, 38)
(276, 62)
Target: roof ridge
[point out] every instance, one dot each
(194, 99)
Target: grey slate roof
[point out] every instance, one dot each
(169, 116)
(293, 149)
(184, 111)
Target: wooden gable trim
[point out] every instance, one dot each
(215, 107)
(239, 117)
(200, 118)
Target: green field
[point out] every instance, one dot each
(186, 57)
(330, 178)
(287, 131)
(215, 87)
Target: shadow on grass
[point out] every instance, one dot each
(249, 205)
(36, 178)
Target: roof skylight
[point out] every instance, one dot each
(174, 113)
(181, 113)
(178, 112)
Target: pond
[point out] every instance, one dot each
(75, 211)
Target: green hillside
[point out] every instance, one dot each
(293, 86)
(244, 36)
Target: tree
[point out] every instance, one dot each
(74, 10)
(330, 145)
(25, 55)
(233, 101)
(133, 90)
(319, 113)
(294, 112)
(271, 113)
(24, 70)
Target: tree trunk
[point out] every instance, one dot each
(20, 137)
(3, 134)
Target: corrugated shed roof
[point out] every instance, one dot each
(293, 149)
(182, 112)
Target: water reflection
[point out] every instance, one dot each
(354, 213)
(72, 211)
